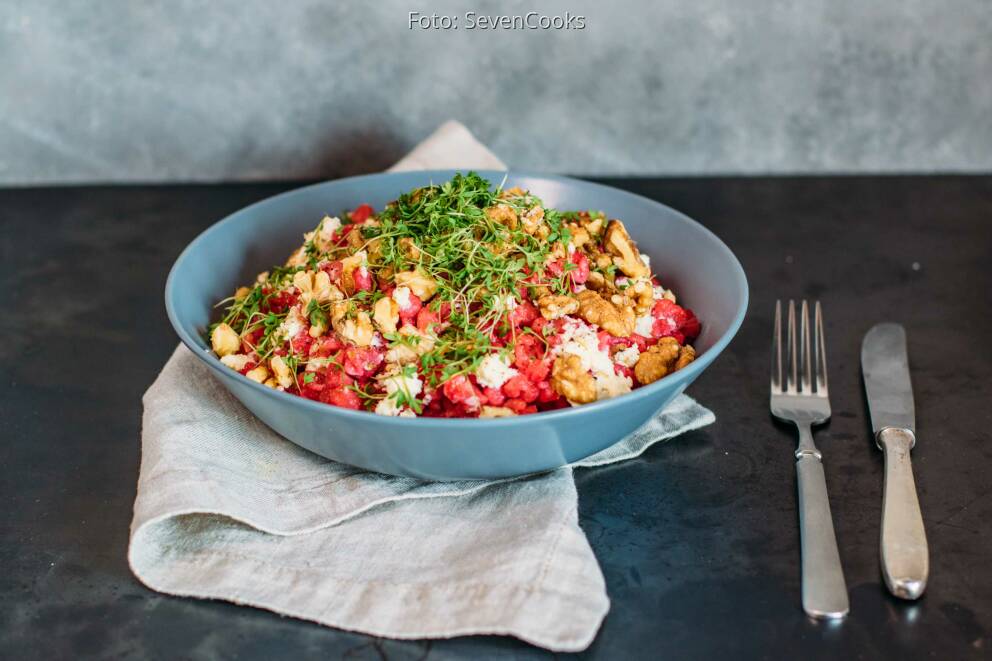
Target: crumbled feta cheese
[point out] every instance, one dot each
(571, 247)
(410, 385)
(644, 325)
(581, 340)
(494, 371)
(627, 357)
(328, 226)
(236, 361)
(387, 406)
(293, 324)
(376, 341)
(505, 303)
(402, 297)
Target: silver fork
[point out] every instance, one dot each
(799, 395)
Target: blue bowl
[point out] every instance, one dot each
(686, 256)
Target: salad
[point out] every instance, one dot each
(458, 300)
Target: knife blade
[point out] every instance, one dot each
(886, 371)
(905, 556)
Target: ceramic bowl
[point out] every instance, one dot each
(685, 255)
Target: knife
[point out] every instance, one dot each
(885, 366)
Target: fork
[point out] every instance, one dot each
(799, 395)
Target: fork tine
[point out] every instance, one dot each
(821, 352)
(777, 350)
(805, 363)
(793, 368)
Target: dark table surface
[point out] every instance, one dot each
(698, 539)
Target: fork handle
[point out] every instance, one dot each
(905, 556)
(824, 590)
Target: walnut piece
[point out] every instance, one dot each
(348, 267)
(224, 341)
(554, 306)
(662, 359)
(533, 219)
(496, 412)
(356, 329)
(516, 191)
(643, 294)
(316, 285)
(283, 375)
(626, 257)
(299, 257)
(386, 313)
(419, 283)
(580, 235)
(571, 381)
(408, 248)
(618, 321)
(503, 214)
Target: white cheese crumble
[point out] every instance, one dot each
(402, 297)
(411, 385)
(236, 361)
(579, 339)
(644, 325)
(646, 260)
(627, 357)
(505, 303)
(293, 324)
(388, 407)
(494, 371)
(329, 225)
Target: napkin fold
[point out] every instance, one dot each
(228, 509)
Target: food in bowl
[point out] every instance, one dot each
(458, 300)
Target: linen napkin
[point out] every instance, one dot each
(228, 509)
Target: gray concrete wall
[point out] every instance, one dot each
(128, 90)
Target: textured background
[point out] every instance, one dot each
(123, 90)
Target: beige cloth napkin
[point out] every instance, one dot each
(228, 509)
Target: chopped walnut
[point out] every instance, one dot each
(686, 355)
(356, 329)
(408, 248)
(643, 295)
(533, 219)
(419, 283)
(283, 374)
(403, 353)
(553, 306)
(595, 309)
(662, 359)
(626, 257)
(316, 285)
(496, 412)
(348, 266)
(594, 225)
(503, 214)
(386, 313)
(571, 381)
(241, 292)
(299, 257)
(598, 282)
(580, 235)
(516, 191)
(224, 340)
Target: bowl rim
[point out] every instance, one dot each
(687, 373)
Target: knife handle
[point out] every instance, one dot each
(905, 557)
(824, 590)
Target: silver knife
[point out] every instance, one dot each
(885, 366)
